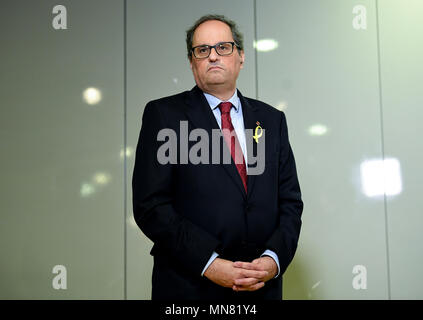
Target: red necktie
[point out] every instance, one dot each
(233, 144)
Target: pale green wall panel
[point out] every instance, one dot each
(62, 174)
(324, 75)
(401, 57)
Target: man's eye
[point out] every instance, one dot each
(223, 47)
(202, 50)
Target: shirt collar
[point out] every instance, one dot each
(214, 102)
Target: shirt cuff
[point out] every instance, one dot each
(213, 256)
(273, 255)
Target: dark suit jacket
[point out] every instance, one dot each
(189, 210)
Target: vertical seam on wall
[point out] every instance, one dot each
(255, 47)
(383, 149)
(125, 191)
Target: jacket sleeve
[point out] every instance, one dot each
(284, 239)
(184, 243)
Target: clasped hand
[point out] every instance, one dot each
(242, 276)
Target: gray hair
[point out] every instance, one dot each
(238, 38)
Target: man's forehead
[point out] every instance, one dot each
(212, 30)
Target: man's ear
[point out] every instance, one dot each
(242, 56)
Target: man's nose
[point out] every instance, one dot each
(213, 55)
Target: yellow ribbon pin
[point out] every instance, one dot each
(256, 136)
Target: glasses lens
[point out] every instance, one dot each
(224, 48)
(201, 52)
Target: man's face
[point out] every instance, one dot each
(215, 72)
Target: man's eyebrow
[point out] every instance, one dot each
(209, 45)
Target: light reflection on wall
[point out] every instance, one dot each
(318, 130)
(282, 106)
(379, 177)
(99, 179)
(87, 189)
(128, 152)
(92, 95)
(265, 45)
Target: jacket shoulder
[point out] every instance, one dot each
(171, 100)
(168, 109)
(264, 107)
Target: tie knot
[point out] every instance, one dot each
(225, 107)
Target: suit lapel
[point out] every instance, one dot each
(200, 114)
(249, 112)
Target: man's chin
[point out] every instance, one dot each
(215, 84)
(217, 80)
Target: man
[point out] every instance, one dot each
(219, 230)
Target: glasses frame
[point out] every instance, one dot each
(211, 47)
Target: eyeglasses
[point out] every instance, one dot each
(222, 49)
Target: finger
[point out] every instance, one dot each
(238, 264)
(254, 274)
(246, 281)
(247, 265)
(254, 287)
